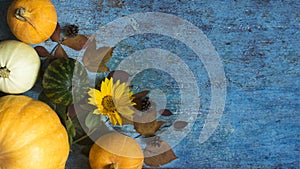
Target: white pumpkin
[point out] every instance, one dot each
(19, 66)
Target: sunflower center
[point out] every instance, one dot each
(108, 103)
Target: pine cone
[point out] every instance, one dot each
(71, 30)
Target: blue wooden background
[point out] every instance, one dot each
(258, 42)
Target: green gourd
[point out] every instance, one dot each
(65, 81)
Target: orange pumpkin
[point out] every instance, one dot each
(31, 135)
(116, 151)
(32, 21)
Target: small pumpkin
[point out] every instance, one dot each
(31, 135)
(116, 151)
(32, 21)
(19, 67)
(65, 81)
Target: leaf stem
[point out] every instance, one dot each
(55, 47)
(85, 136)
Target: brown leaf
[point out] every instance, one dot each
(127, 120)
(165, 112)
(138, 104)
(145, 123)
(141, 94)
(55, 37)
(95, 59)
(138, 99)
(76, 43)
(42, 51)
(178, 125)
(60, 52)
(71, 111)
(119, 75)
(148, 129)
(158, 152)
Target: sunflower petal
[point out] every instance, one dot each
(95, 96)
(112, 119)
(97, 111)
(118, 92)
(103, 87)
(125, 111)
(118, 118)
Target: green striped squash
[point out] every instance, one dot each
(65, 81)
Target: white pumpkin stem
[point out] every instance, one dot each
(4, 72)
(114, 166)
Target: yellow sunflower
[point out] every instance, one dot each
(112, 100)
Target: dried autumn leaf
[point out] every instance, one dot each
(178, 125)
(146, 124)
(158, 152)
(165, 112)
(119, 75)
(60, 52)
(95, 59)
(71, 111)
(138, 99)
(141, 94)
(42, 51)
(148, 129)
(55, 37)
(76, 43)
(138, 104)
(127, 120)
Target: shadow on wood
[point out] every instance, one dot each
(5, 32)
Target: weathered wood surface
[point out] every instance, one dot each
(258, 42)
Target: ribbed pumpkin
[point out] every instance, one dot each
(65, 81)
(116, 151)
(19, 66)
(31, 135)
(32, 21)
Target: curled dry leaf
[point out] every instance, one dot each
(158, 152)
(141, 94)
(55, 37)
(178, 125)
(119, 75)
(76, 43)
(165, 112)
(42, 51)
(94, 59)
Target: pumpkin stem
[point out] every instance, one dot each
(19, 14)
(4, 72)
(113, 166)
